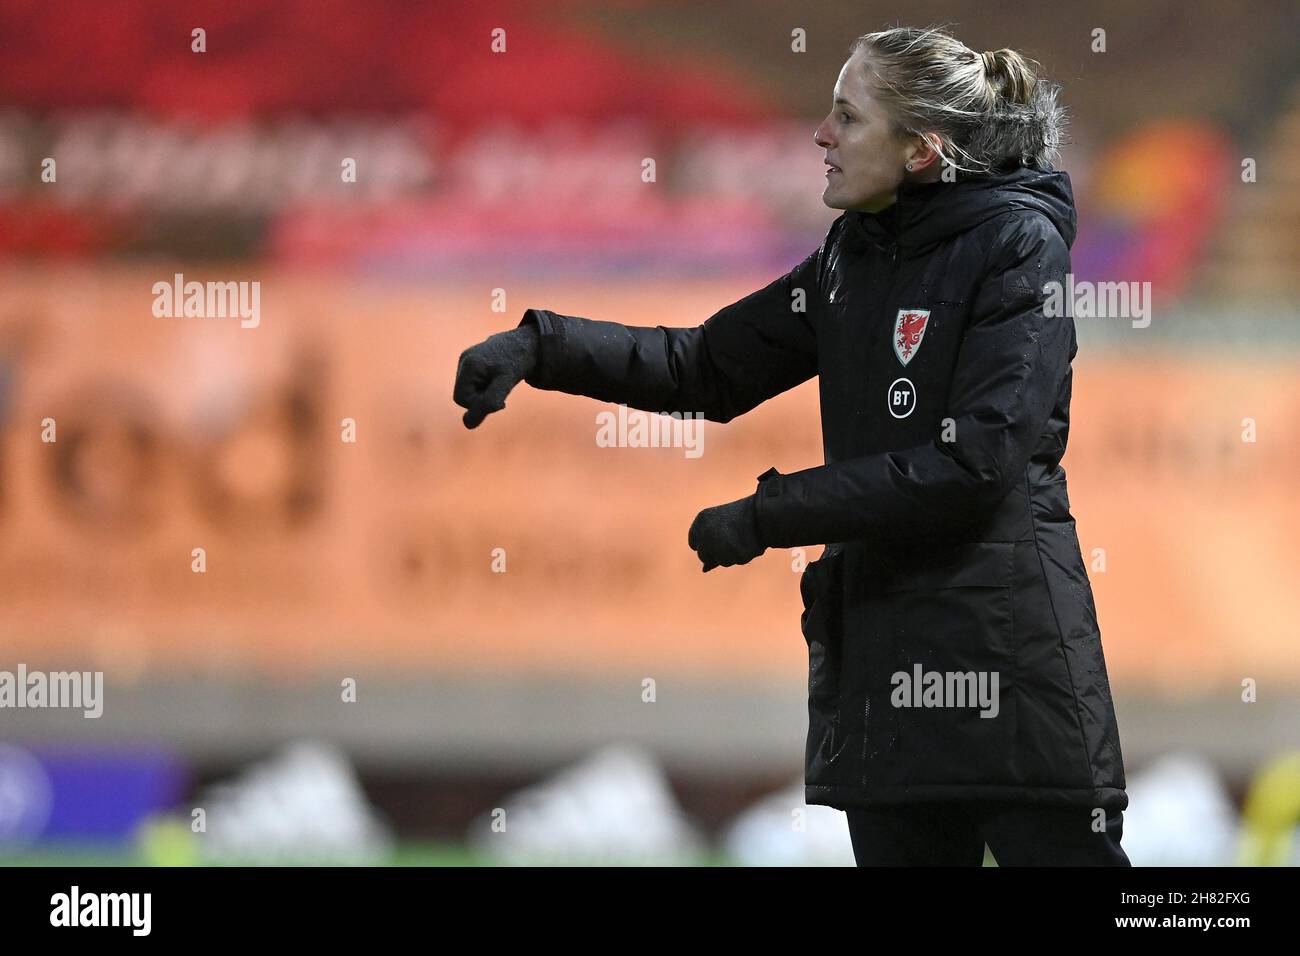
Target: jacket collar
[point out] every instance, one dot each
(925, 214)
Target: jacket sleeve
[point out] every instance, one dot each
(741, 356)
(1010, 368)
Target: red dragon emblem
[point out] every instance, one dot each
(909, 329)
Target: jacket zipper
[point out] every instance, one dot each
(892, 252)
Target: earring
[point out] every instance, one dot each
(909, 167)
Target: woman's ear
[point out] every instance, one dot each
(923, 153)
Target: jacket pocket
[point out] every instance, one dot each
(949, 667)
(973, 564)
(956, 607)
(821, 588)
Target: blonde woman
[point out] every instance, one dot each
(958, 694)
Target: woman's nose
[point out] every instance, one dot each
(821, 137)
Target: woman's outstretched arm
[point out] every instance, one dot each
(741, 356)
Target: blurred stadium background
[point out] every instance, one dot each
(372, 562)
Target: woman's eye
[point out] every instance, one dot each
(846, 117)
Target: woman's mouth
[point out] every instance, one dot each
(832, 169)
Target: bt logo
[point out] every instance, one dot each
(902, 398)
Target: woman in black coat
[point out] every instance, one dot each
(958, 693)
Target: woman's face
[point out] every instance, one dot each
(865, 160)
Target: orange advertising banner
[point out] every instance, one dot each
(295, 494)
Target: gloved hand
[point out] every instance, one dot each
(727, 534)
(488, 371)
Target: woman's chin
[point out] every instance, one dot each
(831, 200)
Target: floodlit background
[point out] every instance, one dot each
(354, 677)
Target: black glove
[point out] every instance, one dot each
(727, 534)
(487, 372)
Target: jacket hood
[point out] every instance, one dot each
(927, 213)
